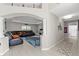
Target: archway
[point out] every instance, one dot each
(17, 16)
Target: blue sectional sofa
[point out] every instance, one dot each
(15, 42)
(34, 41)
(29, 37)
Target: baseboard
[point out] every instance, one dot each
(4, 52)
(53, 45)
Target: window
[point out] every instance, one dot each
(29, 27)
(26, 27)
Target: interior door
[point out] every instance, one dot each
(72, 30)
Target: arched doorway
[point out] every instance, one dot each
(24, 19)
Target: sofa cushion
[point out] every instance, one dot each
(15, 36)
(15, 42)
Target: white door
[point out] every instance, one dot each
(72, 30)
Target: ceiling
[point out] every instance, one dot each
(64, 9)
(25, 19)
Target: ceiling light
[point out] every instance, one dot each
(68, 16)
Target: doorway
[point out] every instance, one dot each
(72, 30)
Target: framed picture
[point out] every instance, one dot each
(65, 30)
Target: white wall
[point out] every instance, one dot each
(52, 35)
(1, 27)
(10, 26)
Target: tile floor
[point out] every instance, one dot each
(68, 47)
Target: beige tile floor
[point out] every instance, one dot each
(68, 47)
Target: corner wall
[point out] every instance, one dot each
(52, 36)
